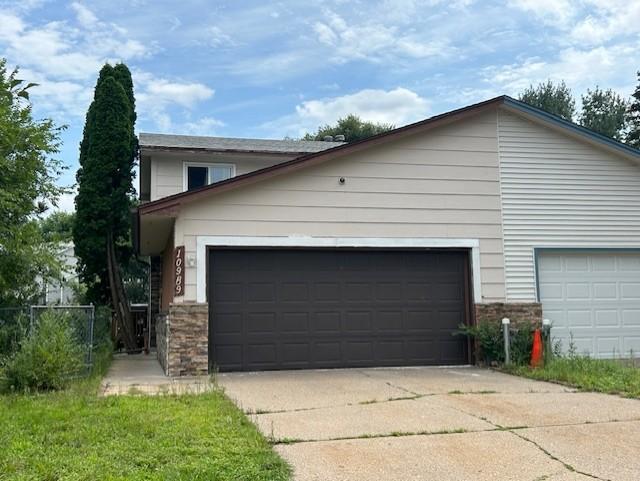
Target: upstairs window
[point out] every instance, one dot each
(199, 175)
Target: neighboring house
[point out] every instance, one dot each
(61, 291)
(373, 253)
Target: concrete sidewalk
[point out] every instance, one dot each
(142, 374)
(438, 424)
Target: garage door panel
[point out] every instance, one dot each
(450, 350)
(551, 290)
(594, 297)
(260, 322)
(327, 292)
(632, 344)
(317, 309)
(358, 322)
(605, 291)
(606, 318)
(630, 264)
(420, 322)
(631, 317)
(326, 322)
(357, 291)
(389, 291)
(389, 321)
(228, 323)
(423, 350)
(293, 323)
(630, 291)
(326, 353)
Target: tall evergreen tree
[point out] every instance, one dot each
(556, 99)
(605, 112)
(633, 118)
(102, 228)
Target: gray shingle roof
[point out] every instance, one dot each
(234, 144)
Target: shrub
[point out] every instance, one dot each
(490, 345)
(47, 359)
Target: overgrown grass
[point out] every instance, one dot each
(76, 436)
(585, 373)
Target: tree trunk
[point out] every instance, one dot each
(119, 300)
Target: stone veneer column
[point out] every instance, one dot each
(517, 312)
(188, 339)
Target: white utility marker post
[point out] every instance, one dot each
(505, 334)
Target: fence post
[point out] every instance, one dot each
(505, 335)
(92, 319)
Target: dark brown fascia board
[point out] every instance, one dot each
(171, 204)
(196, 150)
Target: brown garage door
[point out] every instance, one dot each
(293, 309)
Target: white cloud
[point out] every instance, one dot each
(58, 98)
(203, 126)
(216, 37)
(609, 20)
(581, 69)
(155, 97)
(185, 94)
(64, 57)
(373, 41)
(398, 106)
(85, 17)
(10, 26)
(553, 12)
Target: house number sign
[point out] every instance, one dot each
(178, 264)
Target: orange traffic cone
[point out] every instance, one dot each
(536, 352)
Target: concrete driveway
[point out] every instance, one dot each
(439, 424)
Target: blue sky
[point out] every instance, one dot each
(275, 69)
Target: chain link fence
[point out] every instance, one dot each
(18, 322)
(14, 326)
(82, 320)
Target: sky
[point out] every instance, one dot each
(271, 69)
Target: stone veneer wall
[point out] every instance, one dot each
(161, 328)
(188, 339)
(515, 311)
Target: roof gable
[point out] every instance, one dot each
(172, 203)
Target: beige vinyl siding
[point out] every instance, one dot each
(167, 168)
(558, 191)
(443, 184)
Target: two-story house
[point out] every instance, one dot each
(285, 255)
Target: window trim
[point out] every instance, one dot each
(185, 169)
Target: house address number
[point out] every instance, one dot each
(178, 264)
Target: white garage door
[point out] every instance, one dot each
(595, 297)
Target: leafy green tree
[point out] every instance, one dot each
(28, 174)
(633, 118)
(352, 127)
(102, 229)
(605, 112)
(557, 99)
(58, 227)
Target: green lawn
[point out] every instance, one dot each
(75, 435)
(608, 376)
